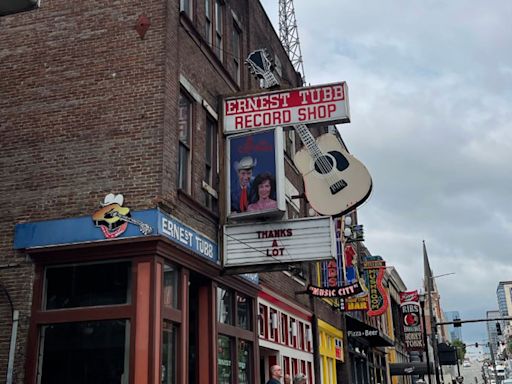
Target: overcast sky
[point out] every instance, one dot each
(430, 91)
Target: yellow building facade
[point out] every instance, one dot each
(331, 351)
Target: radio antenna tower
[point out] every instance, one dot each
(289, 35)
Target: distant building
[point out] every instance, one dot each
(453, 332)
(491, 328)
(504, 296)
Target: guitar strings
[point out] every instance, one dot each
(323, 164)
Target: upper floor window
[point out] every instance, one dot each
(186, 6)
(185, 133)
(208, 33)
(219, 28)
(289, 138)
(236, 52)
(211, 171)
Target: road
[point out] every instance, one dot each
(472, 372)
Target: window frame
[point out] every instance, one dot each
(211, 165)
(184, 179)
(236, 333)
(41, 317)
(218, 26)
(236, 52)
(187, 7)
(208, 16)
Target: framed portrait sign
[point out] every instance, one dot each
(255, 174)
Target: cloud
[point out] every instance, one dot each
(430, 87)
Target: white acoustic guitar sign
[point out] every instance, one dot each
(335, 181)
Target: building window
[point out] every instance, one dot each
(219, 10)
(284, 329)
(224, 359)
(262, 321)
(289, 142)
(80, 285)
(309, 336)
(225, 307)
(234, 362)
(244, 313)
(244, 362)
(171, 279)
(185, 133)
(85, 352)
(274, 325)
(208, 24)
(211, 171)
(236, 52)
(186, 6)
(169, 356)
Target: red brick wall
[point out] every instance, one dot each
(87, 107)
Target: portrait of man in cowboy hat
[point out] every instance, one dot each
(252, 168)
(240, 191)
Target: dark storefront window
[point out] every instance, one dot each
(224, 359)
(244, 362)
(85, 352)
(87, 285)
(234, 342)
(244, 312)
(170, 332)
(225, 306)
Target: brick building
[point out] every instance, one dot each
(99, 100)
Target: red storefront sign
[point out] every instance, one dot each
(306, 105)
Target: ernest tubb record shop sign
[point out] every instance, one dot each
(306, 105)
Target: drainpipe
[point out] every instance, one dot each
(14, 316)
(12, 349)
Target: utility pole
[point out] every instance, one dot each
(425, 341)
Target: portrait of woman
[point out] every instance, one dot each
(262, 195)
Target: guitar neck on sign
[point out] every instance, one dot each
(261, 66)
(335, 181)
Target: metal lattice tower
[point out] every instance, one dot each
(289, 35)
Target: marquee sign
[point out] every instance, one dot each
(272, 245)
(411, 313)
(306, 105)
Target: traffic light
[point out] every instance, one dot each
(457, 323)
(498, 329)
(476, 345)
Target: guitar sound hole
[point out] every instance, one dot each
(324, 164)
